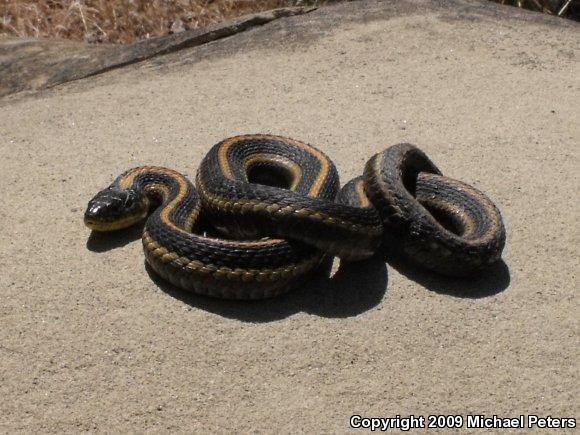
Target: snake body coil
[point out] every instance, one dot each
(302, 208)
(440, 223)
(277, 210)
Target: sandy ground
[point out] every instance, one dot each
(89, 341)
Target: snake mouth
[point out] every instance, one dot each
(113, 225)
(96, 220)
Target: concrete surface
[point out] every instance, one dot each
(90, 342)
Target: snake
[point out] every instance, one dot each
(266, 210)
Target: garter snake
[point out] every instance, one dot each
(276, 209)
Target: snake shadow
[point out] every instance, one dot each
(103, 242)
(353, 289)
(491, 281)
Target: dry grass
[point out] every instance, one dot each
(123, 21)
(562, 8)
(119, 21)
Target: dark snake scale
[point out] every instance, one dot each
(267, 209)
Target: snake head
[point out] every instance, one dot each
(113, 209)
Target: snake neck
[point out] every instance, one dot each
(171, 193)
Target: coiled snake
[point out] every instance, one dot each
(275, 208)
